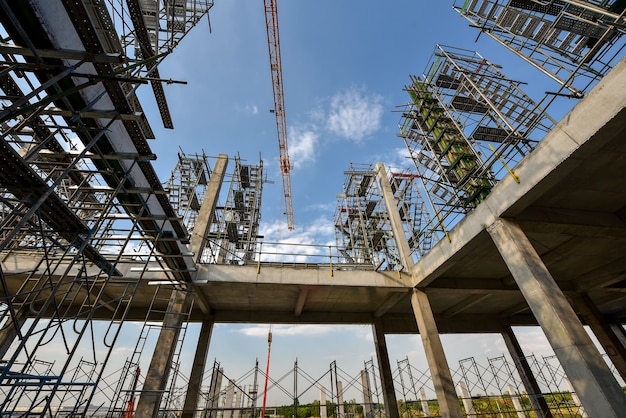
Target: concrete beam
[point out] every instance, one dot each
(590, 376)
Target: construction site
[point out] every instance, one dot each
(506, 217)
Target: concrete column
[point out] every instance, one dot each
(368, 409)
(340, 409)
(467, 400)
(394, 218)
(197, 242)
(424, 401)
(437, 363)
(604, 332)
(197, 370)
(323, 413)
(214, 392)
(237, 411)
(228, 402)
(161, 363)
(537, 401)
(516, 402)
(436, 357)
(590, 376)
(382, 355)
(156, 379)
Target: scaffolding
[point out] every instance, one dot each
(82, 212)
(187, 186)
(149, 30)
(574, 42)
(362, 229)
(234, 231)
(466, 127)
(492, 387)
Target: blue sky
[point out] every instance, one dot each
(345, 64)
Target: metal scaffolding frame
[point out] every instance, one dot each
(574, 42)
(362, 228)
(234, 231)
(466, 127)
(80, 203)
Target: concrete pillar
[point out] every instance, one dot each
(435, 356)
(238, 406)
(516, 403)
(425, 408)
(382, 355)
(368, 407)
(161, 363)
(466, 397)
(323, 413)
(197, 370)
(604, 332)
(156, 379)
(341, 413)
(537, 401)
(214, 393)
(198, 238)
(590, 376)
(437, 363)
(228, 403)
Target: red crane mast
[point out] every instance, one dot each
(273, 43)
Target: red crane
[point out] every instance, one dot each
(273, 43)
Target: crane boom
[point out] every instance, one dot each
(273, 43)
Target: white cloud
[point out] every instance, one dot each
(248, 109)
(354, 114)
(302, 146)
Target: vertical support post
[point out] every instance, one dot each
(597, 388)
(156, 378)
(323, 413)
(197, 370)
(537, 401)
(238, 405)
(341, 413)
(228, 402)
(197, 242)
(435, 356)
(424, 401)
(161, 363)
(368, 410)
(382, 355)
(603, 331)
(516, 402)
(467, 400)
(437, 363)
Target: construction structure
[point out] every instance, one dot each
(362, 226)
(466, 126)
(573, 42)
(91, 239)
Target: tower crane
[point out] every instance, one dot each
(273, 43)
